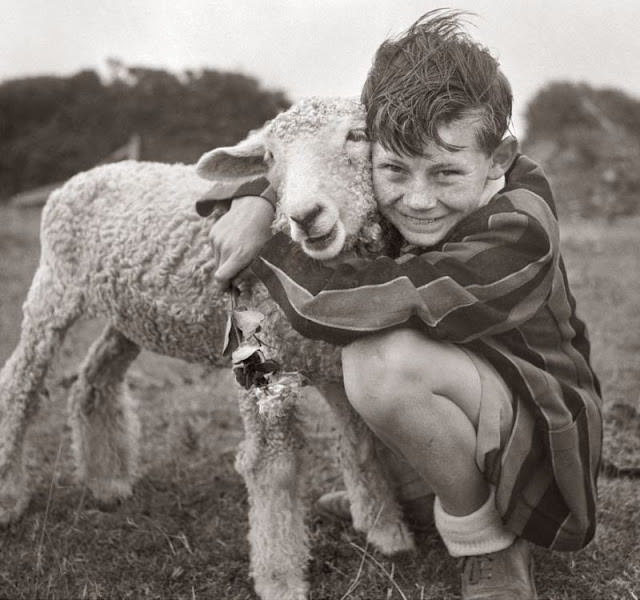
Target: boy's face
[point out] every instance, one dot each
(425, 196)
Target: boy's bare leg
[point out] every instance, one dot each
(424, 399)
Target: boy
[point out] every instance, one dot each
(464, 353)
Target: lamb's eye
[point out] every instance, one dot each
(268, 157)
(357, 135)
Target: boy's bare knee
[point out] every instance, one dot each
(401, 355)
(381, 370)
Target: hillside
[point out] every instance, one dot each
(588, 141)
(53, 127)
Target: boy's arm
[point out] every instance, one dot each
(494, 274)
(239, 234)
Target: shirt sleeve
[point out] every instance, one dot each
(494, 274)
(225, 192)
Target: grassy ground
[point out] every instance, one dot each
(183, 533)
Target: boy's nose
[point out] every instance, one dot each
(420, 200)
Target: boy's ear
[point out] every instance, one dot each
(502, 157)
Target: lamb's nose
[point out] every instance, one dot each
(306, 220)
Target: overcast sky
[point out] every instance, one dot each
(317, 47)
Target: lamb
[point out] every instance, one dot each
(122, 241)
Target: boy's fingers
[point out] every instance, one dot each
(221, 253)
(222, 285)
(228, 270)
(221, 281)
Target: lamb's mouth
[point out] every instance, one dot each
(322, 241)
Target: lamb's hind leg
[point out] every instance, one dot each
(374, 508)
(104, 422)
(269, 460)
(49, 311)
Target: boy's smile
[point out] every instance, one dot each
(426, 196)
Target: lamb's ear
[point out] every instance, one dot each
(238, 164)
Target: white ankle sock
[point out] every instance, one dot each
(481, 532)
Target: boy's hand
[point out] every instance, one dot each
(238, 236)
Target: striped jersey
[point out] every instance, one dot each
(497, 285)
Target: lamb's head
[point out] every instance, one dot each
(317, 156)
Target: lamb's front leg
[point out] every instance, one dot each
(374, 508)
(269, 460)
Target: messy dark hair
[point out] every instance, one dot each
(431, 75)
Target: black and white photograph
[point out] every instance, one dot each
(319, 300)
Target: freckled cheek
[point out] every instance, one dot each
(386, 191)
(460, 198)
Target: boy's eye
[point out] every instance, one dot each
(391, 167)
(448, 172)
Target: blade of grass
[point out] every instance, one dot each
(38, 563)
(372, 559)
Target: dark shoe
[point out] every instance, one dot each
(503, 575)
(418, 512)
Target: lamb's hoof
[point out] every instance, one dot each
(109, 495)
(391, 539)
(109, 506)
(12, 506)
(278, 589)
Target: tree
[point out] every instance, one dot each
(53, 127)
(589, 143)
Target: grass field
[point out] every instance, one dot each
(183, 533)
